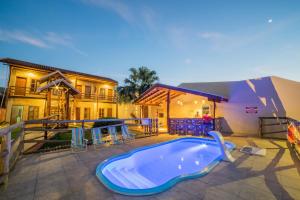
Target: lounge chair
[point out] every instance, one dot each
(113, 135)
(78, 142)
(125, 133)
(97, 137)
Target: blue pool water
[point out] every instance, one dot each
(153, 169)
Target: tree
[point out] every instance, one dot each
(139, 80)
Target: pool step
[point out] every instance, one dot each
(129, 179)
(123, 179)
(138, 179)
(112, 178)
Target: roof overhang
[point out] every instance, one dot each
(56, 74)
(158, 93)
(20, 63)
(59, 82)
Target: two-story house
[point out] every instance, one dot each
(96, 98)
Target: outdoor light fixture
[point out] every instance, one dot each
(30, 74)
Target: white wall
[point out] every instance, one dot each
(273, 96)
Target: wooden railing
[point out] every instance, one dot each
(95, 97)
(30, 92)
(275, 127)
(10, 149)
(25, 92)
(146, 126)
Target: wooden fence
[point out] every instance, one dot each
(10, 149)
(50, 128)
(275, 127)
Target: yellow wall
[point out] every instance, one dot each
(30, 74)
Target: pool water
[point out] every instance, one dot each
(155, 168)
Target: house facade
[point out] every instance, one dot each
(96, 98)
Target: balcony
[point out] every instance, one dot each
(25, 92)
(30, 93)
(94, 97)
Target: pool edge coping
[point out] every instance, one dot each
(161, 188)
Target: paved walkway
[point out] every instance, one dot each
(63, 175)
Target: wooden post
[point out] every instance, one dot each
(214, 120)
(7, 143)
(168, 111)
(117, 110)
(67, 106)
(48, 103)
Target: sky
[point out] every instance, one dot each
(183, 41)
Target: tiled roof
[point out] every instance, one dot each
(50, 68)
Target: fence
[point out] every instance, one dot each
(10, 149)
(275, 127)
(2, 114)
(55, 134)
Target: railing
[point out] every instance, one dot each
(25, 92)
(275, 127)
(95, 97)
(10, 149)
(65, 126)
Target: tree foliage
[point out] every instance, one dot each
(139, 80)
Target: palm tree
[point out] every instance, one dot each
(139, 80)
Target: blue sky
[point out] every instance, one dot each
(184, 41)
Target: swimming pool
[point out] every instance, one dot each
(156, 168)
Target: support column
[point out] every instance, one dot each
(48, 103)
(67, 105)
(214, 114)
(168, 111)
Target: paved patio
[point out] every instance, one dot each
(64, 175)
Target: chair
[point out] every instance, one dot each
(125, 133)
(78, 142)
(97, 137)
(113, 135)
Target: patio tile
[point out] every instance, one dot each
(67, 175)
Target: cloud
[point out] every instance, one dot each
(49, 40)
(62, 40)
(116, 6)
(18, 36)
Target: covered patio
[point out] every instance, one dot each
(181, 111)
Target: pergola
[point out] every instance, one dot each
(160, 93)
(56, 80)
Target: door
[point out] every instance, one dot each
(78, 113)
(20, 86)
(16, 114)
(79, 88)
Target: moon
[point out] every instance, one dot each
(270, 21)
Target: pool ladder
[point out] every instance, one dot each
(226, 155)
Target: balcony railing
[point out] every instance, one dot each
(94, 97)
(30, 92)
(25, 92)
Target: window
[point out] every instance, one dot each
(101, 113)
(110, 94)
(102, 93)
(87, 93)
(87, 113)
(34, 85)
(109, 112)
(33, 112)
(205, 110)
